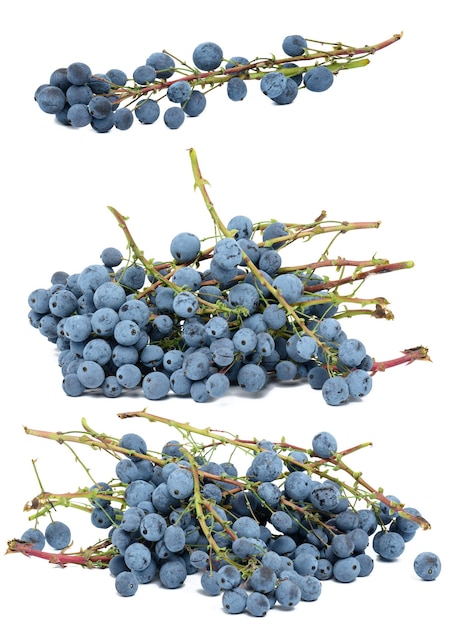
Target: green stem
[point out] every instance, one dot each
(200, 504)
(200, 183)
(315, 467)
(359, 489)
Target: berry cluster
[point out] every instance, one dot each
(242, 320)
(268, 536)
(78, 97)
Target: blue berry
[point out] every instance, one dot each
(195, 103)
(366, 564)
(174, 117)
(251, 377)
(335, 390)
(243, 226)
(346, 570)
(297, 485)
(162, 63)
(244, 295)
(79, 94)
(102, 322)
(359, 383)
(185, 247)
(103, 517)
(172, 574)
(72, 386)
(126, 583)
(306, 564)
(128, 376)
(38, 300)
(324, 570)
(185, 304)
(273, 84)
(295, 78)
(109, 295)
(51, 99)
(91, 374)
(126, 332)
(207, 56)
(236, 62)
(59, 78)
(174, 538)
(324, 444)
(210, 584)
(78, 73)
(99, 107)
(294, 45)
(258, 604)
(217, 385)
(234, 601)
(180, 484)
(289, 94)
(133, 442)
(236, 89)
(63, 303)
(427, 565)
(228, 577)
(318, 79)
(266, 466)
(123, 118)
(34, 536)
(99, 83)
(179, 91)
(147, 111)
(117, 565)
(117, 77)
(342, 545)
(289, 286)
(144, 74)
(288, 593)
(78, 115)
(324, 497)
(58, 535)
(98, 350)
(155, 385)
(389, 545)
(351, 352)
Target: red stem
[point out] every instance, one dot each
(409, 356)
(380, 269)
(61, 558)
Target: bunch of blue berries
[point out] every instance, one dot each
(230, 315)
(165, 87)
(268, 534)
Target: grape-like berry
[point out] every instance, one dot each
(265, 537)
(208, 322)
(78, 97)
(427, 565)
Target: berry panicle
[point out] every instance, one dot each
(165, 87)
(262, 523)
(208, 321)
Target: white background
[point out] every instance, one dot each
(376, 146)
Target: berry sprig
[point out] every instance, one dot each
(230, 314)
(233, 510)
(78, 97)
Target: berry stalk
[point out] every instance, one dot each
(356, 57)
(89, 558)
(420, 353)
(326, 468)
